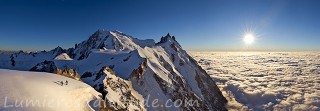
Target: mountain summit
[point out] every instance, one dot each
(130, 73)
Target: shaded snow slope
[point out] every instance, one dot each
(30, 91)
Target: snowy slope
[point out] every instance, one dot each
(63, 56)
(30, 91)
(149, 71)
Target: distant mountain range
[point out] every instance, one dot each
(130, 73)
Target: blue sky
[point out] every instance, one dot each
(197, 24)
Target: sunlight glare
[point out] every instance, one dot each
(248, 38)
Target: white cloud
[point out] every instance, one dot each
(263, 80)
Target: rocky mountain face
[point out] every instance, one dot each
(45, 66)
(131, 74)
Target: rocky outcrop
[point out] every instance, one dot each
(57, 51)
(118, 93)
(138, 73)
(49, 66)
(45, 66)
(69, 72)
(13, 62)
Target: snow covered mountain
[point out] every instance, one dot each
(130, 73)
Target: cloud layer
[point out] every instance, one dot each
(265, 81)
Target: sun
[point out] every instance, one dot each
(248, 38)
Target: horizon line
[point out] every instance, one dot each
(189, 50)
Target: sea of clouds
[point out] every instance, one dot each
(265, 80)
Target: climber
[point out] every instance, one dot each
(66, 82)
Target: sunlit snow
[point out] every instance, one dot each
(39, 91)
